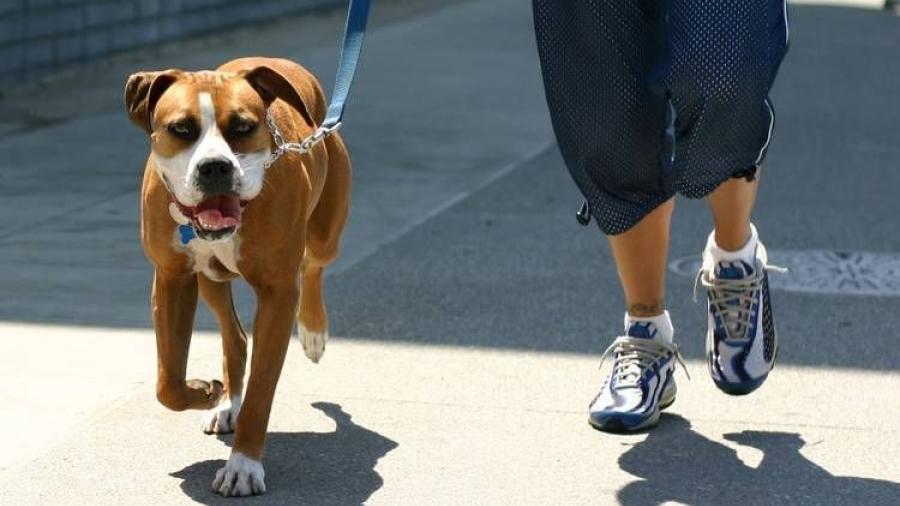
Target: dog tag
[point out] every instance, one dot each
(186, 233)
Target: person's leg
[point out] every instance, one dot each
(601, 66)
(741, 340)
(641, 254)
(725, 58)
(731, 204)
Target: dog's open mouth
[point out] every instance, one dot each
(215, 217)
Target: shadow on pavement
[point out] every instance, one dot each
(678, 464)
(307, 467)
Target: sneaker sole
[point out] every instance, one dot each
(742, 388)
(616, 425)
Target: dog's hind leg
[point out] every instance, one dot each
(174, 301)
(312, 319)
(223, 418)
(323, 239)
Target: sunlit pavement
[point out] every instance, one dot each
(469, 309)
(464, 426)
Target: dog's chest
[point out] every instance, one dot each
(218, 260)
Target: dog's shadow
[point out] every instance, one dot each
(679, 464)
(307, 467)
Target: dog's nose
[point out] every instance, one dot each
(215, 175)
(215, 168)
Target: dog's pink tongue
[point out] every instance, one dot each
(218, 213)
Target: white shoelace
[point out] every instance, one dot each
(634, 355)
(733, 298)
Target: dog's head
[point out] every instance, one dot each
(208, 137)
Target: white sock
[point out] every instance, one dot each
(747, 252)
(662, 322)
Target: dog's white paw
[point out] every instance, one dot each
(313, 343)
(222, 419)
(241, 476)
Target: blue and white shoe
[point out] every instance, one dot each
(741, 342)
(640, 384)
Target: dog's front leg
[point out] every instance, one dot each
(243, 473)
(223, 418)
(174, 301)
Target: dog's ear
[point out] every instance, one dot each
(142, 92)
(270, 84)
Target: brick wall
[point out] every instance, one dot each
(40, 36)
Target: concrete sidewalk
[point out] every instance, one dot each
(481, 426)
(469, 309)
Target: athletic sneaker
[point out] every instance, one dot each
(741, 343)
(640, 384)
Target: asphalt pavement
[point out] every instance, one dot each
(468, 309)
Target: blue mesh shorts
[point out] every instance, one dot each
(653, 97)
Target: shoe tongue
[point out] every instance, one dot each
(641, 330)
(733, 270)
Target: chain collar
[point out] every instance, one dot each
(302, 147)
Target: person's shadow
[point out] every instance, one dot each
(678, 464)
(306, 467)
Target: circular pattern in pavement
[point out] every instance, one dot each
(824, 272)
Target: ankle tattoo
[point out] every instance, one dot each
(646, 310)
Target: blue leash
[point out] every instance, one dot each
(354, 33)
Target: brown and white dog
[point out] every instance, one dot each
(277, 227)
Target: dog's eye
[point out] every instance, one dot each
(183, 130)
(242, 127)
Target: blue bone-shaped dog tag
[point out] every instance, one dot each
(186, 233)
